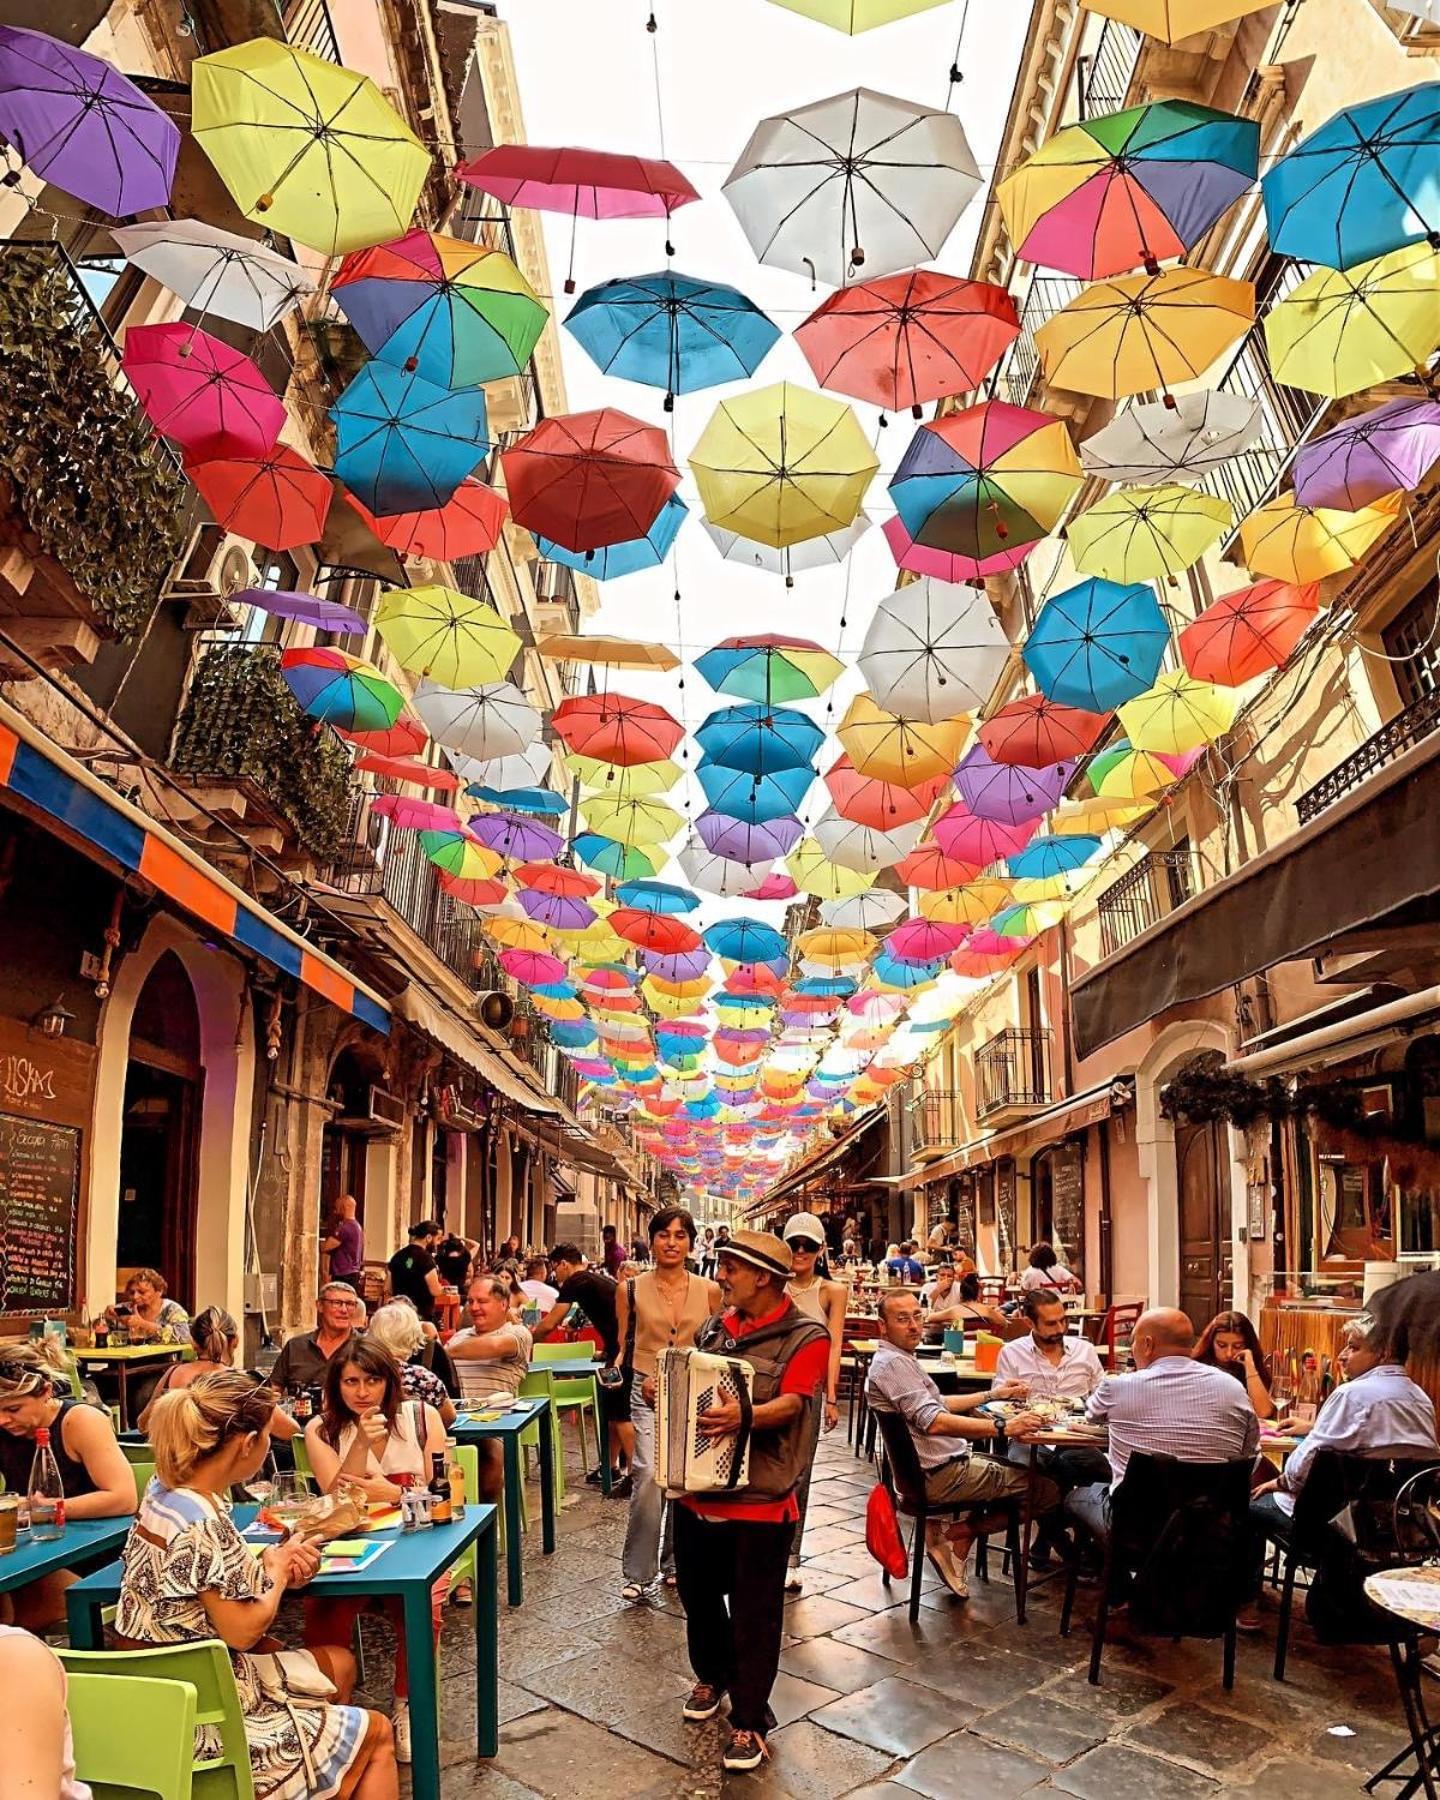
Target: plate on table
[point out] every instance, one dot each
(1058, 1411)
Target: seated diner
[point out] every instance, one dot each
(146, 1315)
(1230, 1342)
(216, 1338)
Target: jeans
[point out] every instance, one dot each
(1089, 1507)
(650, 1528)
(731, 1575)
(802, 1493)
(1269, 1522)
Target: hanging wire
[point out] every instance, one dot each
(956, 73)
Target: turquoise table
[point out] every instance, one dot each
(472, 1428)
(407, 1571)
(83, 1541)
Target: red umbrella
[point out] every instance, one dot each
(400, 768)
(588, 480)
(197, 390)
(550, 878)
(660, 933)
(1033, 732)
(909, 338)
(866, 800)
(410, 814)
(406, 737)
(613, 728)
(278, 499)
(481, 891)
(930, 868)
(469, 524)
(1249, 632)
(969, 838)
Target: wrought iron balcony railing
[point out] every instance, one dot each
(1402, 733)
(1012, 1070)
(1143, 895)
(308, 26)
(1106, 73)
(935, 1119)
(1046, 295)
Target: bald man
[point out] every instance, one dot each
(1168, 1406)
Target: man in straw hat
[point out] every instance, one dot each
(731, 1554)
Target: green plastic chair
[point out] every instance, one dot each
(133, 1734)
(206, 1667)
(579, 1394)
(301, 1454)
(541, 1381)
(137, 1453)
(142, 1471)
(468, 1457)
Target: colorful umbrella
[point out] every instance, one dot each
(782, 464)
(671, 331)
(1035, 731)
(457, 854)
(1341, 331)
(544, 801)
(853, 846)
(616, 729)
(406, 737)
(815, 553)
(400, 768)
(1130, 189)
(1178, 714)
(589, 479)
(643, 820)
(1366, 183)
(880, 804)
(199, 391)
(966, 837)
(814, 873)
(587, 184)
(478, 891)
(759, 739)
(1007, 793)
(657, 896)
(621, 862)
(923, 940)
(859, 180)
(467, 524)
(918, 559)
(514, 837)
(652, 931)
(1390, 450)
(1248, 633)
(738, 840)
(530, 967)
(1044, 857)
(81, 124)
(1097, 645)
(606, 652)
(458, 313)
(933, 650)
(214, 271)
(754, 798)
(1186, 440)
(1304, 544)
(409, 814)
(277, 498)
(339, 689)
(597, 776)
(1171, 20)
(1126, 774)
(851, 16)
(719, 875)
(403, 444)
(305, 609)
(485, 722)
(893, 748)
(446, 637)
(931, 869)
(909, 338)
(1147, 533)
(983, 482)
(770, 668)
(744, 940)
(1140, 332)
(308, 149)
(628, 558)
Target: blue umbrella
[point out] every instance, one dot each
(403, 444)
(756, 799)
(657, 896)
(829, 987)
(622, 862)
(544, 801)
(745, 940)
(902, 974)
(759, 739)
(1044, 856)
(1097, 645)
(671, 331)
(1367, 182)
(629, 558)
(572, 1034)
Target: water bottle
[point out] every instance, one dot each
(46, 1495)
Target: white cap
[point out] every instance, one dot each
(804, 1225)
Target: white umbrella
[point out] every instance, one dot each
(870, 911)
(489, 721)
(215, 271)
(853, 187)
(814, 553)
(861, 847)
(719, 875)
(1158, 443)
(528, 769)
(933, 650)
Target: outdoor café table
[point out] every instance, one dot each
(132, 1359)
(477, 1423)
(1061, 1437)
(82, 1541)
(1412, 1596)
(409, 1568)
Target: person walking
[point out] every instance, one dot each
(823, 1301)
(662, 1309)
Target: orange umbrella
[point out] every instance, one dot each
(1248, 633)
(864, 800)
(929, 867)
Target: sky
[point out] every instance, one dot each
(591, 74)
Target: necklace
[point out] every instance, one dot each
(803, 1287)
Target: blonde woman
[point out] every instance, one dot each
(397, 1326)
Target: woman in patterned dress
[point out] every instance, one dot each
(188, 1575)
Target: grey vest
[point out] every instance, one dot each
(778, 1458)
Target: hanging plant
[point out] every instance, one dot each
(1202, 1092)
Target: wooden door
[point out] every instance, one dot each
(1200, 1181)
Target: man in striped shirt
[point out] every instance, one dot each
(1169, 1406)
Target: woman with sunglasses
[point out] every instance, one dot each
(822, 1300)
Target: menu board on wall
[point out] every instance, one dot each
(1067, 1204)
(39, 1201)
(1005, 1226)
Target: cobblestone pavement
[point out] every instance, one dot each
(965, 1705)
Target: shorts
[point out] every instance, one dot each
(615, 1400)
(981, 1479)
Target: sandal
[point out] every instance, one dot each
(632, 1591)
(672, 1581)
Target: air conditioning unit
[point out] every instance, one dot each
(262, 1293)
(385, 1108)
(209, 591)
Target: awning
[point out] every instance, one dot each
(40, 778)
(1048, 1127)
(448, 1030)
(1372, 852)
(818, 1161)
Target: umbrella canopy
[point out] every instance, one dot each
(815, 873)
(199, 391)
(1367, 182)
(851, 16)
(769, 668)
(495, 720)
(642, 820)
(867, 801)
(1035, 731)
(628, 558)
(306, 609)
(657, 896)
(401, 768)
(589, 479)
(587, 184)
(1178, 714)
(410, 814)
(277, 498)
(215, 271)
(933, 650)
(851, 845)
(1147, 533)
(1140, 332)
(719, 875)
(1044, 857)
(606, 652)
(1341, 331)
(459, 856)
(1097, 645)
(1387, 451)
(1171, 20)
(966, 837)
(661, 933)
(909, 338)
(514, 837)
(1248, 633)
(931, 869)
(1006, 792)
(598, 776)
(671, 331)
(443, 635)
(859, 180)
(468, 524)
(918, 559)
(544, 801)
(523, 769)
(972, 903)
(404, 445)
(406, 737)
(613, 728)
(745, 940)
(815, 553)
(81, 124)
(740, 840)
(923, 940)
(620, 861)
(759, 739)
(339, 689)
(1130, 189)
(894, 748)
(866, 912)
(1305, 543)
(983, 482)
(782, 464)
(308, 149)
(754, 798)
(1184, 441)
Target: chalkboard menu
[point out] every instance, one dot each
(1067, 1204)
(1005, 1224)
(39, 1197)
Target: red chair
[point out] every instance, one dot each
(993, 1289)
(1116, 1330)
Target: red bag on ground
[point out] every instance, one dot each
(882, 1532)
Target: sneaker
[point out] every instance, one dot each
(620, 1490)
(593, 1479)
(746, 1750)
(704, 1702)
(400, 1725)
(794, 1582)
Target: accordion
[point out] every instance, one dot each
(688, 1383)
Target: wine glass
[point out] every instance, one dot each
(261, 1485)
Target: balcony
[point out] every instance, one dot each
(1046, 296)
(557, 605)
(1392, 740)
(1144, 895)
(308, 26)
(1012, 1074)
(935, 1120)
(1106, 73)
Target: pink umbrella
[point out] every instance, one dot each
(774, 887)
(966, 837)
(200, 392)
(923, 940)
(919, 559)
(532, 968)
(408, 814)
(986, 942)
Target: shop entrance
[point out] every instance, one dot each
(1201, 1180)
(164, 1084)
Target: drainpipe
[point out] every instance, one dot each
(1107, 1223)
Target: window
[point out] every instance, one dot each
(1412, 642)
(1179, 873)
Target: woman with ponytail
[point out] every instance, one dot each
(216, 1338)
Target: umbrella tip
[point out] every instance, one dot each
(917, 412)
(669, 403)
(569, 284)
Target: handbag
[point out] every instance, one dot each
(293, 1679)
(882, 1532)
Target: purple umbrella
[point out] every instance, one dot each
(83, 125)
(516, 838)
(686, 966)
(739, 841)
(562, 912)
(1007, 794)
(1383, 452)
(305, 609)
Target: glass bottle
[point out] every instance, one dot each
(440, 1512)
(457, 1480)
(45, 1494)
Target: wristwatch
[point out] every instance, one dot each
(999, 1428)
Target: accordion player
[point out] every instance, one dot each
(687, 1384)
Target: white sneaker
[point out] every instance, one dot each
(946, 1564)
(400, 1725)
(794, 1582)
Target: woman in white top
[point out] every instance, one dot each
(823, 1301)
(38, 1759)
(1047, 1271)
(366, 1435)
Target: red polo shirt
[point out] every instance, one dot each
(803, 1374)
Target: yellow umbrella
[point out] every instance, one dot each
(1130, 776)
(851, 16)
(642, 820)
(1179, 714)
(441, 634)
(611, 652)
(1307, 543)
(559, 1010)
(812, 870)
(1140, 332)
(904, 752)
(517, 934)
(972, 904)
(836, 945)
(782, 464)
(616, 783)
(1028, 889)
(1106, 812)
(1143, 533)
(1343, 330)
(307, 149)
(1171, 20)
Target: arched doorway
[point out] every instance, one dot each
(164, 1089)
(351, 1130)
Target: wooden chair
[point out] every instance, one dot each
(1116, 1330)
